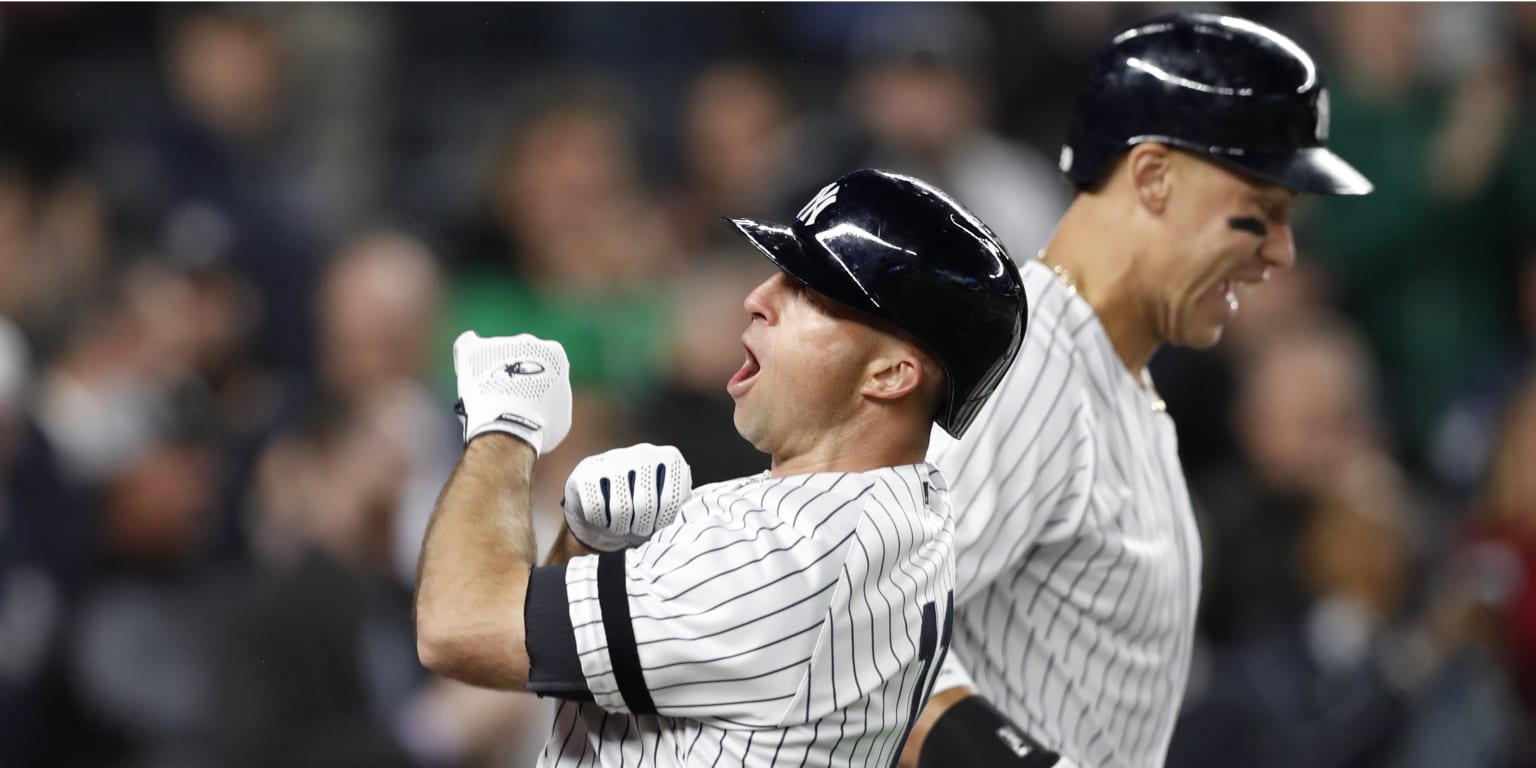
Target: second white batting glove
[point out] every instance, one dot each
(619, 498)
(520, 385)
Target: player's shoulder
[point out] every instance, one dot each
(1057, 316)
(728, 486)
(1051, 359)
(1047, 388)
(908, 488)
(1065, 352)
(809, 503)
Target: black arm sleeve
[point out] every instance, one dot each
(554, 668)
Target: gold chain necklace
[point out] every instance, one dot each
(1144, 380)
(1061, 274)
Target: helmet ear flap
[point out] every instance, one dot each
(1086, 159)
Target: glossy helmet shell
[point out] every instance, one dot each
(1225, 87)
(902, 251)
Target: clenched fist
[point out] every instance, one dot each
(619, 498)
(519, 384)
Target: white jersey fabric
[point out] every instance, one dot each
(1077, 555)
(790, 621)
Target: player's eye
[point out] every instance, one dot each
(1279, 213)
(810, 297)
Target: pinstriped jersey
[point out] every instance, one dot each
(779, 621)
(1077, 556)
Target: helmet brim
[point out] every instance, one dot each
(1316, 170)
(776, 242)
(818, 273)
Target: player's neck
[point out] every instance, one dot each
(1091, 249)
(860, 446)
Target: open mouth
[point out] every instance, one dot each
(744, 376)
(1231, 291)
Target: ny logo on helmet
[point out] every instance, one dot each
(819, 203)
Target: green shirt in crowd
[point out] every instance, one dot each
(616, 340)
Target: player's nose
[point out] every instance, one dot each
(760, 302)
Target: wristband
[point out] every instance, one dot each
(972, 732)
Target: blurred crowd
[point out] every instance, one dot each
(236, 243)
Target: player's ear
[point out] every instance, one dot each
(894, 371)
(1151, 168)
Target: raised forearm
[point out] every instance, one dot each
(473, 574)
(566, 547)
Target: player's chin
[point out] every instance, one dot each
(746, 426)
(1199, 335)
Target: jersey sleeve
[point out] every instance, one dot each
(1024, 468)
(714, 618)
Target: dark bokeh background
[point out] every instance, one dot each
(237, 241)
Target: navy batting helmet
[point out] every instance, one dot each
(1227, 88)
(900, 250)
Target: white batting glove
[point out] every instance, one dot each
(520, 385)
(618, 498)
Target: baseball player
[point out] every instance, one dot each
(796, 617)
(1077, 556)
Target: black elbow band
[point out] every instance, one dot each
(974, 733)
